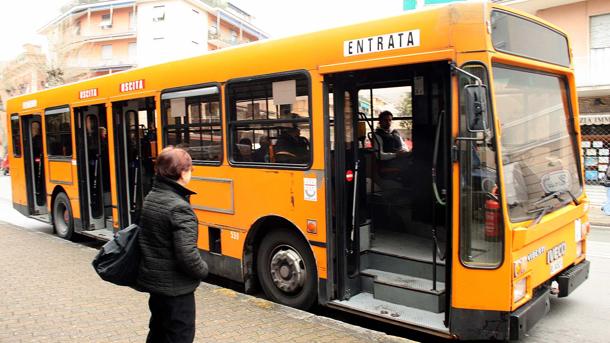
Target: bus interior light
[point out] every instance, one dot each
(519, 289)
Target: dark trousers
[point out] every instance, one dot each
(172, 319)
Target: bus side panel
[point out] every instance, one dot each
(254, 196)
(63, 174)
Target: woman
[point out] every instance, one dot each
(171, 267)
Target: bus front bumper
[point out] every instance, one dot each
(572, 277)
(529, 314)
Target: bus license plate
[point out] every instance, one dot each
(556, 265)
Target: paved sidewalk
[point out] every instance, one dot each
(50, 293)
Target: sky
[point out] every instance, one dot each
(20, 19)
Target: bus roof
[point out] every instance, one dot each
(457, 27)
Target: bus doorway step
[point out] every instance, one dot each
(102, 234)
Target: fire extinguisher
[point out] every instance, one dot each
(493, 216)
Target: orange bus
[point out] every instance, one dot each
(422, 169)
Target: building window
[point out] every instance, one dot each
(16, 133)
(233, 37)
(191, 120)
(158, 13)
(269, 120)
(600, 31)
(77, 28)
(106, 22)
(106, 52)
(600, 49)
(59, 132)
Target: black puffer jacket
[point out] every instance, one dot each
(171, 264)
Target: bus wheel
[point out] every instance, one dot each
(286, 270)
(63, 222)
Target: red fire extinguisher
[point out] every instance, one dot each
(493, 216)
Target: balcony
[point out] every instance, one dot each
(102, 64)
(222, 41)
(73, 41)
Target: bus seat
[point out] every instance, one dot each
(271, 154)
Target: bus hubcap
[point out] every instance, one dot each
(62, 218)
(287, 269)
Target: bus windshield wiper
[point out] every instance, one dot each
(556, 195)
(543, 211)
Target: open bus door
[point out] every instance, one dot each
(135, 144)
(94, 170)
(34, 165)
(390, 230)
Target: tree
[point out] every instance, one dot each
(55, 76)
(405, 108)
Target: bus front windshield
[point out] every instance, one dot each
(541, 172)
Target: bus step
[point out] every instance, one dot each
(419, 268)
(405, 290)
(102, 234)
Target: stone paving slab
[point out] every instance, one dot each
(50, 293)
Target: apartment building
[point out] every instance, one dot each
(588, 26)
(26, 73)
(104, 37)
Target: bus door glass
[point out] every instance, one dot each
(34, 164)
(342, 152)
(93, 161)
(136, 153)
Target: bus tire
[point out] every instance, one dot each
(287, 270)
(63, 219)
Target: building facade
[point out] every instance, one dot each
(24, 74)
(103, 37)
(587, 24)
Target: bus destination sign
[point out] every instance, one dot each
(387, 42)
(87, 93)
(132, 86)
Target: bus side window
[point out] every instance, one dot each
(16, 133)
(191, 120)
(273, 114)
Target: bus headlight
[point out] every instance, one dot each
(519, 289)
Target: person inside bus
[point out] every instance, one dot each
(105, 165)
(388, 142)
(262, 153)
(38, 162)
(244, 150)
(291, 147)
(171, 267)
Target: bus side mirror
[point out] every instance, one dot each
(476, 102)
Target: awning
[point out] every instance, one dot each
(602, 118)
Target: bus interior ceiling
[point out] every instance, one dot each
(397, 212)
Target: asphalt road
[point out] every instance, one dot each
(582, 317)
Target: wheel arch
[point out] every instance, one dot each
(257, 231)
